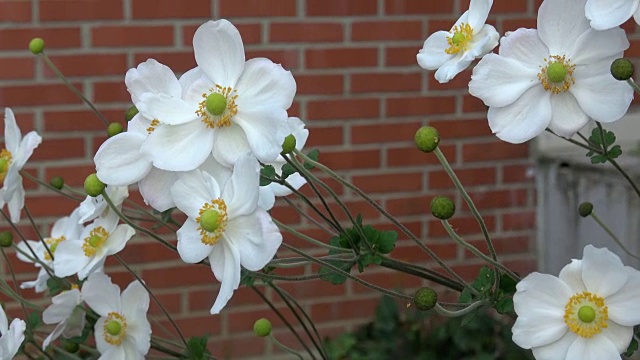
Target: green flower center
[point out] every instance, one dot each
(458, 38)
(113, 327)
(557, 72)
(3, 165)
(586, 314)
(216, 104)
(95, 240)
(210, 220)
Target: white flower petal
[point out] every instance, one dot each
(229, 144)
(219, 172)
(130, 349)
(256, 237)
(57, 331)
(523, 120)
(484, 41)
(119, 162)
(11, 340)
(118, 239)
(560, 24)
(101, 295)
(12, 134)
(135, 299)
(525, 46)
(433, 55)
(219, 52)
(594, 46)
(154, 77)
(265, 129)
(602, 271)
(179, 147)
(16, 202)
(167, 109)
(451, 68)
(601, 96)
(69, 258)
(555, 350)
(62, 305)
(539, 302)
(478, 13)
(619, 335)
(189, 78)
(571, 274)
(266, 198)
(623, 305)
(155, 189)
(500, 81)
(227, 269)
(190, 246)
(606, 14)
(107, 351)
(594, 348)
(265, 83)
(241, 191)
(567, 118)
(190, 192)
(25, 149)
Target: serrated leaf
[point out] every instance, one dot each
(609, 137)
(615, 151)
(598, 159)
(267, 173)
(590, 153)
(595, 137)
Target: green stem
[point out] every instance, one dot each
(612, 235)
(309, 239)
(625, 175)
(35, 228)
(285, 348)
(442, 311)
(421, 273)
(15, 283)
(633, 84)
(605, 151)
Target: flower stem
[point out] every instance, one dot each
(309, 239)
(442, 311)
(612, 235)
(284, 347)
(633, 84)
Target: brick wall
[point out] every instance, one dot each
(360, 92)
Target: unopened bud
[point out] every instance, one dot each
(622, 69)
(585, 209)
(262, 327)
(442, 207)
(6, 239)
(93, 186)
(36, 46)
(427, 138)
(130, 113)
(57, 182)
(114, 128)
(425, 299)
(289, 144)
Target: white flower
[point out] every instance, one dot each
(93, 207)
(87, 254)
(269, 192)
(606, 14)
(64, 311)
(233, 108)
(63, 229)
(450, 52)
(586, 313)
(122, 332)
(12, 158)
(11, 336)
(556, 76)
(225, 224)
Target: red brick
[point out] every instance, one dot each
(360, 308)
(454, 129)
(241, 8)
(306, 32)
(385, 83)
(503, 6)
(354, 159)
(413, 157)
(158, 9)
(388, 183)
(496, 199)
(251, 33)
(15, 10)
(319, 84)
(519, 221)
(80, 10)
(236, 348)
(197, 325)
(503, 246)
(24, 120)
(83, 120)
(386, 30)
(319, 136)
(384, 132)
(288, 58)
(341, 58)
(341, 7)
(518, 173)
(462, 225)
(496, 150)
(468, 177)
(89, 65)
(40, 94)
(128, 36)
(410, 252)
(148, 252)
(55, 38)
(473, 104)
(171, 303)
(41, 205)
(343, 109)
(421, 106)
(110, 92)
(401, 56)
(460, 82)
(16, 68)
(182, 275)
(412, 7)
(51, 149)
(388, 280)
(179, 62)
(515, 24)
(73, 175)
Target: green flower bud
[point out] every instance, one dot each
(262, 327)
(442, 207)
(6, 238)
(425, 299)
(36, 46)
(622, 69)
(289, 144)
(93, 186)
(57, 182)
(70, 346)
(130, 113)
(114, 128)
(585, 209)
(427, 139)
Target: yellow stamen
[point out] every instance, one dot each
(461, 35)
(586, 314)
(152, 125)
(5, 163)
(212, 238)
(94, 241)
(222, 119)
(550, 75)
(52, 243)
(115, 328)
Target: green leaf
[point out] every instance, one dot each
(633, 347)
(507, 284)
(598, 159)
(329, 275)
(197, 348)
(33, 321)
(609, 137)
(595, 137)
(267, 173)
(505, 305)
(615, 151)
(387, 241)
(485, 279)
(313, 155)
(287, 170)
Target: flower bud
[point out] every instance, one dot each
(442, 207)
(36, 46)
(585, 209)
(6, 239)
(70, 346)
(289, 144)
(622, 69)
(93, 186)
(427, 139)
(262, 327)
(114, 128)
(57, 182)
(130, 113)
(425, 299)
